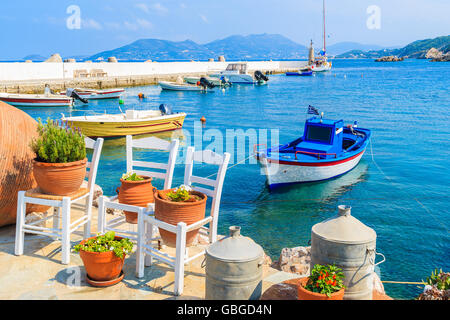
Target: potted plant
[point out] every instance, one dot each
(103, 257)
(179, 205)
(324, 283)
(437, 286)
(60, 164)
(135, 190)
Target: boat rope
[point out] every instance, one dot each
(234, 165)
(412, 197)
(402, 282)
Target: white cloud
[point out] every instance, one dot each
(139, 24)
(203, 17)
(157, 7)
(91, 24)
(143, 7)
(130, 26)
(183, 5)
(145, 24)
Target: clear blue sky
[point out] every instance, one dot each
(39, 27)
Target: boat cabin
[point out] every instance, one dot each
(322, 138)
(240, 68)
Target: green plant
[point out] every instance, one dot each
(130, 176)
(57, 143)
(439, 279)
(106, 242)
(181, 194)
(325, 279)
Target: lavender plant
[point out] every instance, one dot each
(58, 143)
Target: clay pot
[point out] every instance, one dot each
(17, 129)
(304, 294)
(59, 178)
(175, 212)
(102, 266)
(136, 193)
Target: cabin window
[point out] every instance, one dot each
(320, 134)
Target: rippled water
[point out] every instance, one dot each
(401, 192)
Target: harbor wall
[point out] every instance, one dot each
(21, 77)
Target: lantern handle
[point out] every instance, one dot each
(380, 254)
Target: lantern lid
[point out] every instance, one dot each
(235, 248)
(344, 228)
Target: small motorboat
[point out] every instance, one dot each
(222, 82)
(326, 150)
(237, 73)
(36, 100)
(307, 71)
(176, 86)
(132, 122)
(95, 94)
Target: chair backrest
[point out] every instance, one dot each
(153, 143)
(91, 174)
(209, 157)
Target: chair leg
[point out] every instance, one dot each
(101, 215)
(20, 220)
(149, 232)
(213, 231)
(56, 219)
(141, 240)
(65, 235)
(87, 226)
(179, 258)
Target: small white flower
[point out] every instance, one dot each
(112, 249)
(427, 287)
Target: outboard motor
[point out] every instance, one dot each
(165, 109)
(205, 83)
(73, 94)
(224, 81)
(260, 76)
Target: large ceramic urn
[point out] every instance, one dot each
(16, 160)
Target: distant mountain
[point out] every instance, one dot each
(34, 57)
(416, 49)
(257, 46)
(252, 47)
(342, 47)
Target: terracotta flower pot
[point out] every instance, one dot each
(175, 212)
(304, 294)
(102, 266)
(136, 193)
(59, 178)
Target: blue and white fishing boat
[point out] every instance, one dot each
(307, 71)
(326, 150)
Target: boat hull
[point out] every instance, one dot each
(30, 102)
(97, 95)
(281, 173)
(95, 129)
(300, 74)
(236, 78)
(181, 87)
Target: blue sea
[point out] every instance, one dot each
(400, 188)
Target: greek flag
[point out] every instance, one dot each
(312, 110)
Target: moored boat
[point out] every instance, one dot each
(326, 150)
(36, 100)
(218, 82)
(237, 73)
(132, 122)
(306, 71)
(95, 94)
(175, 86)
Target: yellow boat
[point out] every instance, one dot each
(133, 122)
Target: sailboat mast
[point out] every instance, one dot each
(324, 46)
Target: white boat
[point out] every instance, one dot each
(321, 63)
(94, 94)
(175, 86)
(36, 100)
(237, 73)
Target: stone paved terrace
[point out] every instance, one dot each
(39, 274)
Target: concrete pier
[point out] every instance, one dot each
(24, 77)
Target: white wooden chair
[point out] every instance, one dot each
(62, 206)
(147, 222)
(166, 174)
